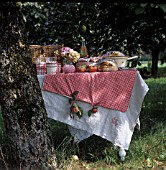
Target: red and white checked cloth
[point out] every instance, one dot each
(107, 89)
(41, 68)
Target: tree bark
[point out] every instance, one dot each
(23, 109)
(155, 53)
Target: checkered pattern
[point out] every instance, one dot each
(108, 89)
(58, 68)
(41, 68)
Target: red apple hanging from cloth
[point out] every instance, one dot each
(92, 111)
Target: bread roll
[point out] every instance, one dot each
(107, 66)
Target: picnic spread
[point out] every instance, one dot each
(96, 95)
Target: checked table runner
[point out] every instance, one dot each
(107, 89)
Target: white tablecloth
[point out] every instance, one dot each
(113, 125)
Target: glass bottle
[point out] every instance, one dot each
(83, 50)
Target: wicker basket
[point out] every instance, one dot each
(49, 50)
(42, 52)
(36, 52)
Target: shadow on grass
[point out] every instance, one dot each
(153, 108)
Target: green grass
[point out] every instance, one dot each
(161, 68)
(95, 153)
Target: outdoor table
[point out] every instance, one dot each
(118, 96)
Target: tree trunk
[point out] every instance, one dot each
(23, 110)
(155, 53)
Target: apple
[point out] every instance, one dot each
(74, 109)
(82, 68)
(92, 68)
(94, 110)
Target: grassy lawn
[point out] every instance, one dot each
(161, 68)
(147, 149)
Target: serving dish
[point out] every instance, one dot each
(121, 61)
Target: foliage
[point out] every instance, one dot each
(105, 26)
(47, 20)
(149, 25)
(126, 27)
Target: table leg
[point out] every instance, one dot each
(122, 154)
